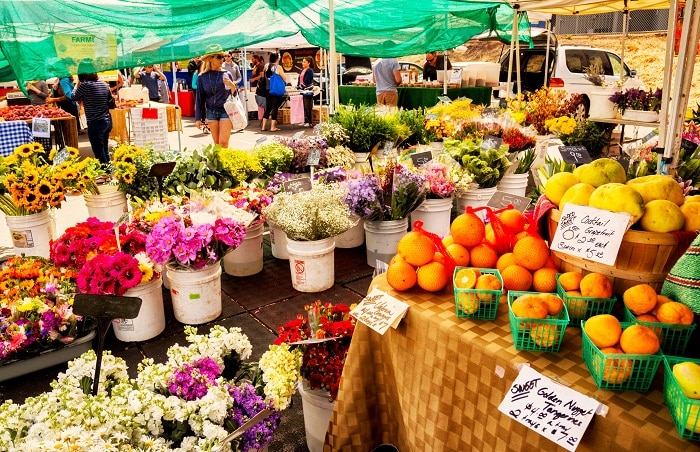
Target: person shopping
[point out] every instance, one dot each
(214, 85)
(306, 84)
(95, 96)
(387, 77)
(272, 102)
(149, 77)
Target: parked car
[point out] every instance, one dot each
(567, 66)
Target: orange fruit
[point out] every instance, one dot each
(487, 281)
(570, 280)
(468, 302)
(438, 257)
(530, 306)
(416, 248)
(397, 258)
(639, 340)
(544, 280)
(675, 313)
(577, 306)
(640, 299)
(459, 253)
(596, 285)
(660, 299)
(401, 276)
(531, 252)
(465, 278)
(616, 370)
(648, 318)
(431, 277)
(554, 303)
(483, 256)
(467, 229)
(513, 219)
(516, 277)
(504, 261)
(603, 330)
(545, 335)
(551, 264)
(447, 240)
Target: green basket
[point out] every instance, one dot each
(673, 338)
(548, 332)
(684, 410)
(583, 308)
(619, 371)
(477, 303)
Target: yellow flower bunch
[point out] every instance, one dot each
(544, 104)
(125, 159)
(459, 109)
(563, 125)
(517, 108)
(28, 184)
(441, 128)
(78, 174)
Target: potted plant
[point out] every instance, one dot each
(193, 400)
(435, 210)
(637, 104)
(366, 129)
(594, 136)
(323, 333)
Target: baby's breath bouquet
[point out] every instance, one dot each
(316, 214)
(191, 402)
(333, 133)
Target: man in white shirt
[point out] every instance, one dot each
(387, 77)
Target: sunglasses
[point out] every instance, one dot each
(219, 57)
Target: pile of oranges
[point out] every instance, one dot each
(538, 306)
(576, 285)
(648, 306)
(524, 262)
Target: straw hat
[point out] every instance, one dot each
(212, 50)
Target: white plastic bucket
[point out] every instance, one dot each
(312, 264)
(278, 242)
(515, 184)
(435, 215)
(600, 104)
(317, 409)
(381, 239)
(475, 198)
(196, 294)
(31, 233)
(353, 237)
(151, 319)
(361, 159)
(247, 259)
(106, 206)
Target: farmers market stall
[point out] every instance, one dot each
(436, 381)
(411, 97)
(64, 130)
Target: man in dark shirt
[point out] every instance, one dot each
(434, 63)
(149, 77)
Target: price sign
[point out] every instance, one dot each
(260, 140)
(548, 408)
(421, 158)
(106, 306)
(161, 169)
(298, 135)
(649, 136)
(314, 157)
(379, 311)
(491, 142)
(61, 156)
(590, 233)
(490, 112)
(502, 199)
(388, 149)
(445, 100)
(624, 160)
(578, 155)
(297, 185)
(456, 76)
(41, 127)
(431, 116)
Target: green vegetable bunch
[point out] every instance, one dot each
(487, 166)
(198, 169)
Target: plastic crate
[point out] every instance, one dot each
(148, 131)
(550, 329)
(477, 303)
(583, 308)
(684, 410)
(619, 371)
(673, 338)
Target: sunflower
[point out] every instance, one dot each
(37, 147)
(44, 189)
(24, 150)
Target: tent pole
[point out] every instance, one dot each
(517, 49)
(625, 28)
(177, 104)
(333, 63)
(513, 36)
(444, 67)
(546, 55)
(668, 71)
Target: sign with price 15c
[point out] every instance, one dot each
(590, 233)
(548, 408)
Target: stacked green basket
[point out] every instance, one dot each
(536, 334)
(477, 303)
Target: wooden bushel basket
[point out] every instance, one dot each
(644, 257)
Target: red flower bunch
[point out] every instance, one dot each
(323, 362)
(81, 242)
(517, 140)
(107, 274)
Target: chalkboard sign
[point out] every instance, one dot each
(161, 169)
(421, 158)
(578, 155)
(314, 157)
(548, 408)
(106, 306)
(624, 160)
(490, 112)
(590, 233)
(502, 199)
(491, 142)
(297, 185)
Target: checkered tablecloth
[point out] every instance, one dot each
(435, 383)
(13, 134)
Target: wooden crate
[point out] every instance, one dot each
(174, 118)
(644, 257)
(318, 114)
(284, 116)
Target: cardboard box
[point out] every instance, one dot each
(318, 114)
(284, 116)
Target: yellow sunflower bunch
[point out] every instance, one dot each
(77, 174)
(29, 184)
(127, 160)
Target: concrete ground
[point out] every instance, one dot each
(258, 304)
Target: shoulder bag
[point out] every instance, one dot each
(277, 85)
(261, 90)
(236, 112)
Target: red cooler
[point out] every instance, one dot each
(185, 100)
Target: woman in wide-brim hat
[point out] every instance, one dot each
(214, 85)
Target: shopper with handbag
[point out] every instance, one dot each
(214, 86)
(273, 100)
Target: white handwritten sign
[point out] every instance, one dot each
(41, 127)
(590, 233)
(548, 408)
(379, 311)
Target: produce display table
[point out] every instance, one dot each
(433, 384)
(13, 134)
(411, 98)
(121, 126)
(63, 133)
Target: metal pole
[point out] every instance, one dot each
(335, 101)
